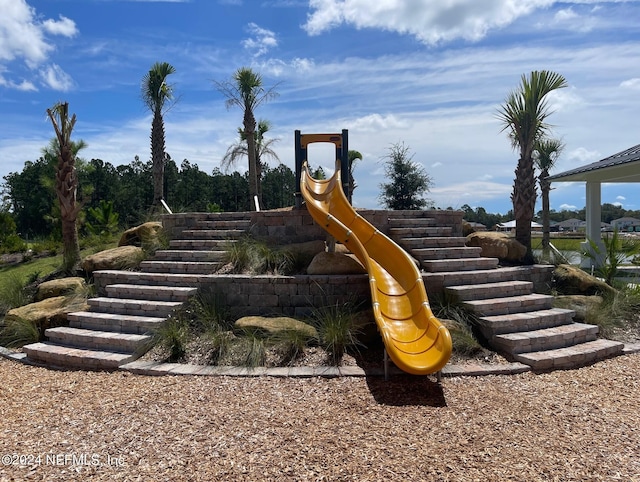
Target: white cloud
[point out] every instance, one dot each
(429, 21)
(23, 37)
(621, 198)
(582, 155)
(261, 40)
(56, 78)
(24, 86)
(569, 19)
(567, 207)
(466, 192)
(631, 83)
(565, 14)
(376, 122)
(64, 26)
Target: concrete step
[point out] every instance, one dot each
(192, 267)
(445, 253)
(189, 255)
(113, 322)
(150, 292)
(509, 305)
(424, 231)
(122, 306)
(525, 321)
(545, 339)
(411, 222)
(97, 340)
(236, 224)
(431, 242)
(571, 357)
(212, 233)
(69, 357)
(478, 276)
(490, 290)
(107, 277)
(465, 264)
(211, 244)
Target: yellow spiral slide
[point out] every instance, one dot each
(414, 338)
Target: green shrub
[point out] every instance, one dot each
(461, 323)
(254, 348)
(209, 311)
(290, 344)
(173, 336)
(617, 311)
(12, 244)
(337, 330)
(17, 332)
(13, 292)
(248, 255)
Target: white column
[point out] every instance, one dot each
(593, 219)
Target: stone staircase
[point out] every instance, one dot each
(117, 327)
(521, 324)
(517, 322)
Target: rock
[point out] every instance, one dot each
(570, 280)
(273, 326)
(60, 287)
(48, 313)
(581, 304)
(497, 245)
(334, 263)
(144, 235)
(123, 257)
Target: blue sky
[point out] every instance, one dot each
(427, 73)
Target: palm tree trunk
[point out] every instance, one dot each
(157, 157)
(545, 187)
(524, 202)
(250, 132)
(66, 188)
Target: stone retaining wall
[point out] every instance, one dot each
(297, 226)
(296, 295)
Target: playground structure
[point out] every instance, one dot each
(415, 340)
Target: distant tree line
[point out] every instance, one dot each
(29, 195)
(609, 213)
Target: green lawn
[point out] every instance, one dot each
(561, 244)
(40, 267)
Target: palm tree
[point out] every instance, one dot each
(353, 156)
(66, 185)
(263, 150)
(523, 115)
(156, 93)
(545, 154)
(245, 90)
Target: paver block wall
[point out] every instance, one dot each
(296, 295)
(297, 226)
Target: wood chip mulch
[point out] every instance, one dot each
(566, 425)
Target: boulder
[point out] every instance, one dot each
(123, 257)
(334, 263)
(48, 313)
(581, 304)
(497, 245)
(571, 280)
(272, 326)
(144, 235)
(60, 287)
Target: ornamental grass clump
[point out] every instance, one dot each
(337, 330)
